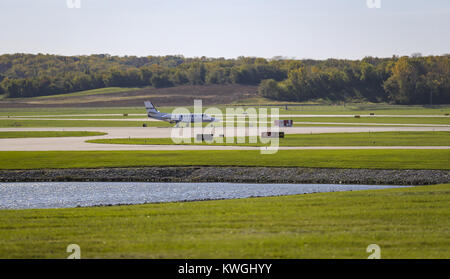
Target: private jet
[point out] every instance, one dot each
(152, 112)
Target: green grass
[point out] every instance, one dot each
(362, 120)
(337, 139)
(13, 123)
(404, 222)
(354, 109)
(93, 117)
(48, 134)
(373, 159)
(64, 111)
(30, 123)
(366, 109)
(365, 120)
(106, 90)
(362, 109)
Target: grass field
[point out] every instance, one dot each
(64, 111)
(361, 109)
(372, 159)
(366, 109)
(404, 222)
(362, 120)
(365, 120)
(98, 91)
(337, 139)
(48, 134)
(67, 122)
(92, 117)
(14, 123)
(353, 109)
(257, 101)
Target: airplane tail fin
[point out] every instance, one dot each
(150, 107)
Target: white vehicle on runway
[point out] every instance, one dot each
(152, 112)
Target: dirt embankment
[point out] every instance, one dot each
(233, 174)
(171, 96)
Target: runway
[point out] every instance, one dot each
(244, 122)
(79, 144)
(225, 121)
(274, 115)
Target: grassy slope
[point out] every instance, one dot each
(337, 139)
(98, 91)
(47, 134)
(376, 159)
(404, 222)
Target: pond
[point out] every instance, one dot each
(75, 194)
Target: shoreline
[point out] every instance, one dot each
(295, 175)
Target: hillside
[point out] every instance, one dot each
(122, 97)
(398, 80)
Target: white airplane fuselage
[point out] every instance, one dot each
(152, 112)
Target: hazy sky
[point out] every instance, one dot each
(229, 28)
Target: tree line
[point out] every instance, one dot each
(400, 80)
(26, 75)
